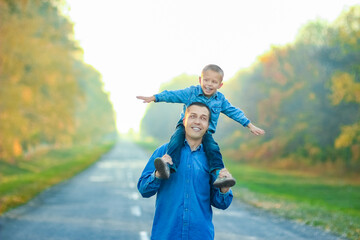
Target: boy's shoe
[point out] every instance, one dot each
(162, 167)
(224, 182)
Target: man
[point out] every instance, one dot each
(183, 204)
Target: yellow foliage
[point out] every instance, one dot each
(344, 88)
(344, 140)
(349, 135)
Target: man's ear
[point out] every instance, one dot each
(200, 80)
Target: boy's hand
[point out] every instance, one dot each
(255, 130)
(146, 99)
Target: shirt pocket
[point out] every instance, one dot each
(216, 110)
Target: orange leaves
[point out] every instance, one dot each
(276, 66)
(17, 149)
(27, 95)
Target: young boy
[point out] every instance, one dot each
(210, 81)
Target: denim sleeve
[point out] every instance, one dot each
(234, 113)
(218, 199)
(148, 184)
(176, 96)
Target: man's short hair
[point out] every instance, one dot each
(214, 68)
(200, 104)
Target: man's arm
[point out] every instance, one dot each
(149, 183)
(221, 198)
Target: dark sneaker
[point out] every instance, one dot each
(224, 182)
(162, 167)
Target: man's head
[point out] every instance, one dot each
(196, 121)
(211, 79)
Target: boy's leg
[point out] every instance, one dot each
(175, 144)
(214, 156)
(162, 166)
(173, 152)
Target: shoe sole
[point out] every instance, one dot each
(226, 183)
(162, 168)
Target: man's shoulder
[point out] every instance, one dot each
(162, 147)
(160, 151)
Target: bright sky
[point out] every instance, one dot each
(139, 44)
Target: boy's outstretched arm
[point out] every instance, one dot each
(255, 130)
(146, 99)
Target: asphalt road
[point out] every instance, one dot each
(103, 203)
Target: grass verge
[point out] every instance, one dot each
(22, 181)
(329, 203)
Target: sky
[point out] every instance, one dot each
(137, 45)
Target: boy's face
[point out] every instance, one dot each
(210, 82)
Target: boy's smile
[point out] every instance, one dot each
(210, 82)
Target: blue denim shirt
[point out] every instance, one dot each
(183, 202)
(217, 104)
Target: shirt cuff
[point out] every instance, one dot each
(225, 194)
(246, 123)
(155, 179)
(156, 98)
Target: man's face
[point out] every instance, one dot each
(210, 82)
(196, 122)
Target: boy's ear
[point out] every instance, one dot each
(221, 84)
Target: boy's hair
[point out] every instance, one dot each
(200, 104)
(214, 68)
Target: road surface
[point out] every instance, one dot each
(103, 203)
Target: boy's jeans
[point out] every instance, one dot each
(211, 149)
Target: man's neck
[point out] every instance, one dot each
(193, 143)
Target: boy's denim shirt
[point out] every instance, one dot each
(217, 104)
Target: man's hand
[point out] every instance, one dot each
(255, 130)
(146, 99)
(224, 173)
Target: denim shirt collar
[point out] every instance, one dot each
(201, 93)
(199, 148)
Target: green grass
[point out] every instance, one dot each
(330, 203)
(25, 179)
